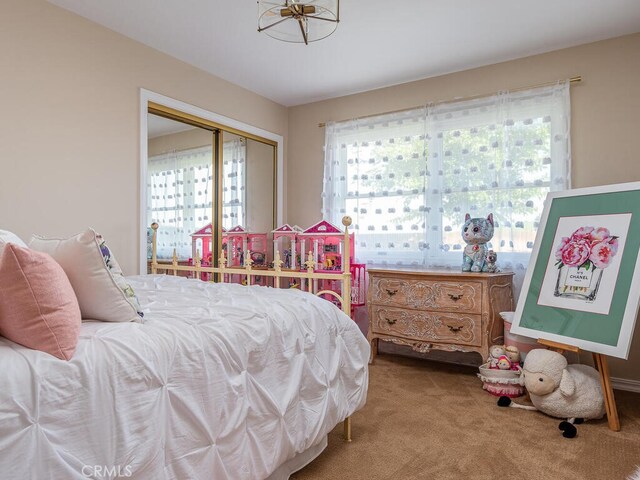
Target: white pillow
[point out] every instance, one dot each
(9, 237)
(103, 292)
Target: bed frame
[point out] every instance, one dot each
(308, 279)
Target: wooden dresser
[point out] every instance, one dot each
(444, 310)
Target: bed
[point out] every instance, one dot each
(220, 381)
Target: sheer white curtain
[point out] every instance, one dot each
(407, 179)
(234, 173)
(180, 193)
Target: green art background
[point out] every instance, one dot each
(603, 329)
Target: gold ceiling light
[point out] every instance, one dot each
(298, 21)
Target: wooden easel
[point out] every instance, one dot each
(601, 365)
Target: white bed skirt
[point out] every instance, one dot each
(299, 461)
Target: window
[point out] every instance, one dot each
(407, 179)
(180, 194)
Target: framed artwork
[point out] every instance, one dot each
(582, 286)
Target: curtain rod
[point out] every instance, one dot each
(576, 79)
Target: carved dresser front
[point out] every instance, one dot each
(444, 310)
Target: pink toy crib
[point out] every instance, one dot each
(358, 286)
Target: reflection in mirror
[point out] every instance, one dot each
(234, 176)
(179, 183)
(260, 214)
(181, 186)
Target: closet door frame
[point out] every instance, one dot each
(151, 102)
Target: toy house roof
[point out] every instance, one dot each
(286, 228)
(204, 231)
(237, 229)
(322, 228)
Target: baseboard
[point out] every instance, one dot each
(625, 384)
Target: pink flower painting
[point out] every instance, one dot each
(602, 252)
(587, 248)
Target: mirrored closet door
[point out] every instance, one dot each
(203, 179)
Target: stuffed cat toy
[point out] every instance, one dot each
(476, 232)
(490, 265)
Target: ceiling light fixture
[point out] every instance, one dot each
(298, 21)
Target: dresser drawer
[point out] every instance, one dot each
(453, 296)
(461, 329)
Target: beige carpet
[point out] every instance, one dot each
(429, 420)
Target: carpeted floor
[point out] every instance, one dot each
(429, 420)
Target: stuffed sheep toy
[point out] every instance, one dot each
(565, 391)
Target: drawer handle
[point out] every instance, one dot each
(455, 329)
(454, 297)
(391, 292)
(391, 321)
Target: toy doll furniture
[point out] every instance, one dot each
(240, 242)
(236, 240)
(325, 241)
(325, 244)
(201, 242)
(358, 286)
(285, 242)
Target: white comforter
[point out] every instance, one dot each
(219, 382)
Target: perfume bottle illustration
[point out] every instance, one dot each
(581, 260)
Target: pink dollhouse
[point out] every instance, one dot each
(239, 241)
(201, 242)
(324, 240)
(285, 241)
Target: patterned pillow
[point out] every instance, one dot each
(103, 292)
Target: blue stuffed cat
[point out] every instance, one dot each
(476, 232)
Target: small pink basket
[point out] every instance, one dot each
(501, 382)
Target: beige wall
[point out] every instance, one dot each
(70, 130)
(259, 187)
(194, 138)
(605, 123)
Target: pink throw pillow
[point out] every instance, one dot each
(38, 308)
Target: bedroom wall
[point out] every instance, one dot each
(259, 185)
(194, 138)
(69, 132)
(605, 121)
